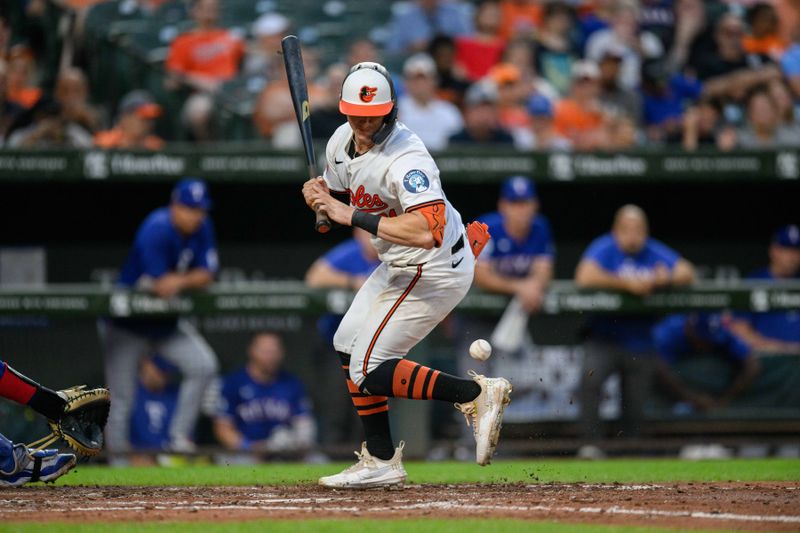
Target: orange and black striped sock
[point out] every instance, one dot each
(374, 414)
(401, 378)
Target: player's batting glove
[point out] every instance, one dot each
(478, 235)
(82, 422)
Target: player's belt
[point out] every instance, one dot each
(457, 246)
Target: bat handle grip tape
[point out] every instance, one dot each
(323, 225)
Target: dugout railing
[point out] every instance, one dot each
(769, 416)
(91, 300)
(255, 162)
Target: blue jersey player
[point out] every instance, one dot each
(686, 335)
(775, 331)
(627, 259)
(156, 399)
(518, 259)
(264, 409)
(174, 250)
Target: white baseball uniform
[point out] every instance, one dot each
(413, 289)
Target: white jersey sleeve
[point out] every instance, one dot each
(414, 180)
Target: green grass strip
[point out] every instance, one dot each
(335, 526)
(541, 471)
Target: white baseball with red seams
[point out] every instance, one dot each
(480, 350)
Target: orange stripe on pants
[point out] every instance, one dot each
(389, 315)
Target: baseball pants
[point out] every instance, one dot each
(184, 348)
(398, 306)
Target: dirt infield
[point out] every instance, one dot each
(741, 506)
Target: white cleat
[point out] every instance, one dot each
(370, 472)
(485, 414)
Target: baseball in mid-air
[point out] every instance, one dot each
(480, 350)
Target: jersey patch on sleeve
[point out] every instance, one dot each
(415, 181)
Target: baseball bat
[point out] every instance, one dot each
(296, 75)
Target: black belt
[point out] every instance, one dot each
(457, 246)
(454, 250)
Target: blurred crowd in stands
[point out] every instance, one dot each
(532, 74)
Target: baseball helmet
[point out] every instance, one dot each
(368, 91)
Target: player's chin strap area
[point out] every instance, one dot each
(386, 128)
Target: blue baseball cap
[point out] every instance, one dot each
(192, 192)
(788, 236)
(517, 188)
(539, 106)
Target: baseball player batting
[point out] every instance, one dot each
(426, 269)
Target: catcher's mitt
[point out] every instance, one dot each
(82, 423)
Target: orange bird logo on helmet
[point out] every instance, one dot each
(366, 94)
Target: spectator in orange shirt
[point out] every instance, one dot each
(764, 38)
(207, 55)
(519, 18)
(203, 59)
(512, 96)
(273, 115)
(579, 117)
(134, 127)
(9, 111)
(478, 53)
(21, 70)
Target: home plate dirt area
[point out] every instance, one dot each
(772, 506)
